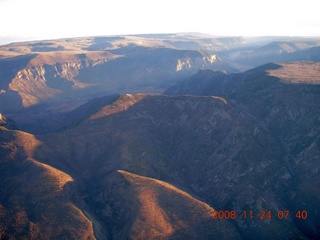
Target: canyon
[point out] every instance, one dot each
(146, 136)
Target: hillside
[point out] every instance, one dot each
(36, 200)
(212, 162)
(147, 136)
(127, 157)
(280, 95)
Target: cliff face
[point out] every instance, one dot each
(51, 76)
(40, 83)
(190, 64)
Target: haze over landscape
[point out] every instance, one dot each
(159, 120)
(36, 19)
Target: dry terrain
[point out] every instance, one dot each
(145, 136)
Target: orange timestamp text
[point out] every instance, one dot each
(262, 214)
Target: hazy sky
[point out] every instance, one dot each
(39, 19)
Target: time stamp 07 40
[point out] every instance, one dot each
(262, 214)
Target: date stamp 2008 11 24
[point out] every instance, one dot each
(262, 214)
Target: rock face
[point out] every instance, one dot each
(63, 71)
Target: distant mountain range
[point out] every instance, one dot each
(160, 137)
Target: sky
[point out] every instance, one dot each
(48, 19)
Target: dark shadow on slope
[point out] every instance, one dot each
(60, 83)
(44, 118)
(10, 101)
(10, 66)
